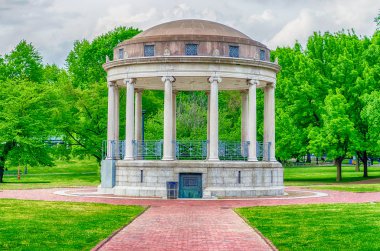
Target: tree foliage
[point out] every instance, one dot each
(27, 113)
(85, 60)
(341, 67)
(83, 118)
(24, 62)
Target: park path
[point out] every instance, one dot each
(187, 228)
(189, 224)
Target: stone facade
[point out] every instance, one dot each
(219, 179)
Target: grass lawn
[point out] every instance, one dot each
(63, 174)
(42, 225)
(318, 227)
(358, 188)
(314, 177)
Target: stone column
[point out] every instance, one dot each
(252, 131)
(111, 121)
(214, 119)
(138, 115)
(208, 124)
(138, 122)
(130, 117)
(117, 119)
(244, 115)
(168, 118)
(174, 121)
(269, 121)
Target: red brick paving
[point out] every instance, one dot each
(333, 197)
(187, 228)
(189, 224)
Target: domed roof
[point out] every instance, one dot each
(192, 29)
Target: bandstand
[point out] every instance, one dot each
(191, 55)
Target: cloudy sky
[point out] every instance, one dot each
(53, 25)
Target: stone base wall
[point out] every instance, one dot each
(219, 179)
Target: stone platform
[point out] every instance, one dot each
(220, 179)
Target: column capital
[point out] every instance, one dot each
(171, 79)
(111, 84)
(271, 85)
(243, 91)
(253, 82)
(129, 81)
(215, 79)
(139, 90)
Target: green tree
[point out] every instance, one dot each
(24, 62)
(336, 134)
(85, 60)
(371, 113)
(2, 69)
(27, 114)
(83, 118)
(341, 62)
(299, 96)
(52, 74)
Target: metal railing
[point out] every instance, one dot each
(113, 149)
(191, 149)
(147, 149)
(263, 151)
(185, 150)
(233, 150)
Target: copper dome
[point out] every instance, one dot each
(192, 29)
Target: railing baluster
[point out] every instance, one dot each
(185, 150)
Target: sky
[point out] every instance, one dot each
(52, 26)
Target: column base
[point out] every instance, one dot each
(252, 159)
(129, 158)
(213, 159)
(168, 158)
(108, 173)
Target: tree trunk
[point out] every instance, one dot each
(357, 165)
(365, 164)
(364, 158)
(317, 160)
(308, 158)
(338, 163)
(1, 174)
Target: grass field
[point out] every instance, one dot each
(324, 178)
(357, 188)
(63, 174)
(318, 227)
(301, 176)
(42, 225)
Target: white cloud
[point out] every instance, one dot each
(299, 29)
(125, 15)
(265, 16)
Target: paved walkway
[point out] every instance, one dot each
(189, 224)
(187, 228)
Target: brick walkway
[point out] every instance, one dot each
(189, 224)
(187, 228)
